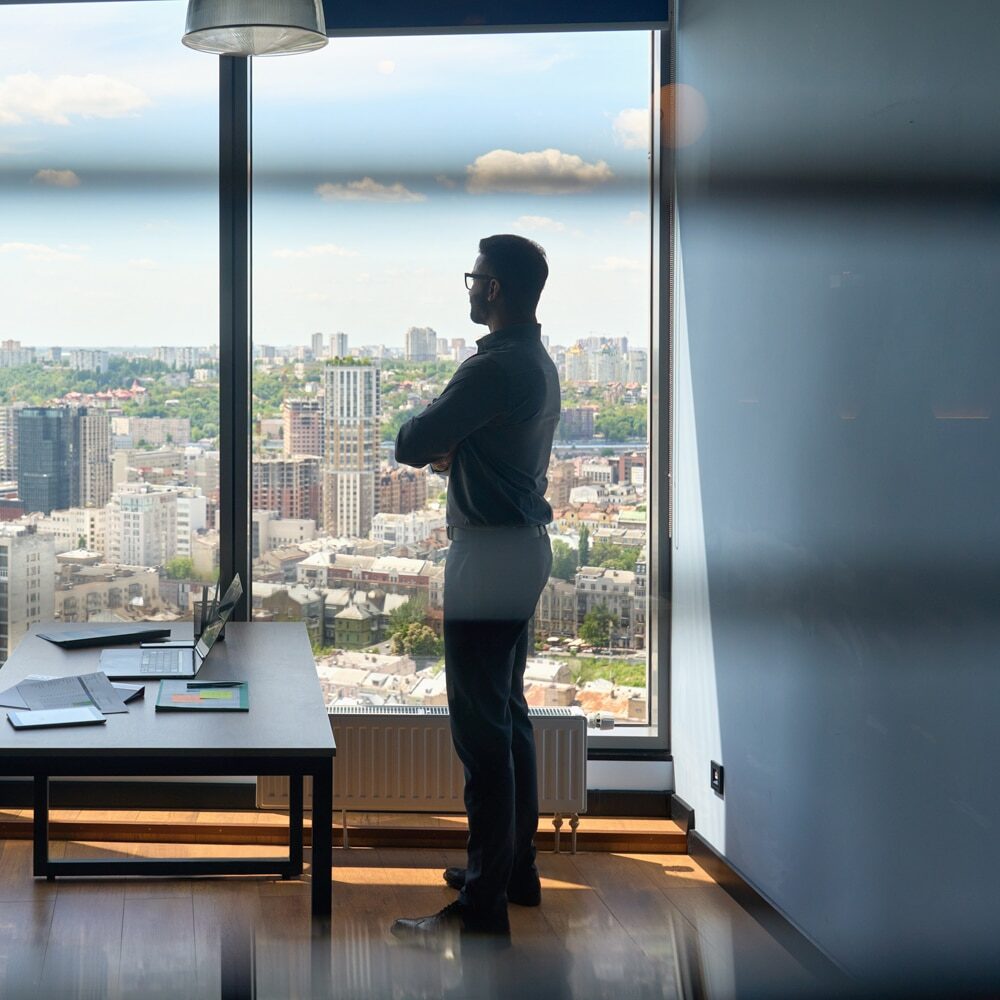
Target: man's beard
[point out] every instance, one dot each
(477, 309)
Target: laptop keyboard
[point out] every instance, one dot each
(163, 662)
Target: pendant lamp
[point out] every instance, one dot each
(255, 27)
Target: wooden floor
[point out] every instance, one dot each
(259, 826)
(610, 925)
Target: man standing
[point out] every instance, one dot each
(492, 429)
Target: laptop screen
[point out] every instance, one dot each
(211, 631)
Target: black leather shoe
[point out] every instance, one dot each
(447, 927)
(529, 895)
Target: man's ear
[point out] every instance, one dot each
(494, 293)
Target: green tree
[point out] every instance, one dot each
(563, 561)
(595, 629)
(584, 549)
(180, 568)
(416, 640)
(413, 612)
(613, 556)
(620, 423)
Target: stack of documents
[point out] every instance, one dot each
(66, 701)
(41, 693)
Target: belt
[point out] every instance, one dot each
(485, 531)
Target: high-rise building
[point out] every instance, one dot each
(142, 525)
(27, 579)
(576, 422)
(87, 360)
(353, 397)
(605, 365)
(338, 345)
(91, 458)
(577, 365)
(317, 345)
(421, 344)
(637, 367)
(402, 490)
(302, 429)
(8, 441)
(13, 355)
(290, 486)
(45, 453)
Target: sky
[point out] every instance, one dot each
(378, 165)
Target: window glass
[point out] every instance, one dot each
(109, 285)
(378, 166)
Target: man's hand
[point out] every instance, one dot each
(443, 464)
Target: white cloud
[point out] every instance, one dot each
(318, 250)
(636, 218)
(386, 67)
(38, 251)
(547, 171)
(445, 181)
(367, 189)
(631, 128)
(143, 263)
(536, 223)
(57, 178)
(619, 264)
(54, 100)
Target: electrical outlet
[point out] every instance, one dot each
(718, 778)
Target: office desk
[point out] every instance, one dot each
(286, 732)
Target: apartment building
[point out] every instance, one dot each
(27, 574)
(353, 409)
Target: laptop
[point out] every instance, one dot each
(173, 662)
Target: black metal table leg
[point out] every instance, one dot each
(322, 839)
(41, 825)
(295, 824)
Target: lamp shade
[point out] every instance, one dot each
(255, 27)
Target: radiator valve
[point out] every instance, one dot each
(600, 720)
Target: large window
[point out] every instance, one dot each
(109, 292)
(378, 165)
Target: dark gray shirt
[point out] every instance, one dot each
(497, 415)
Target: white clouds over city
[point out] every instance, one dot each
(539, 224)
(57, 178)
(543, 172)
(368, 189)
(27, 97)
(39, 251)
(631, 128)
(317, 250)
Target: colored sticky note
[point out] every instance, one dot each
(218, 695)
(184, 697)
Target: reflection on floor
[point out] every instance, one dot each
(610, 925)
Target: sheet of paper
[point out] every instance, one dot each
(72, 692)
(60, 692)
(103, 693)
(11, 698)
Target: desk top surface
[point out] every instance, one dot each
(287, 714)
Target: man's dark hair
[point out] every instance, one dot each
(520, 267)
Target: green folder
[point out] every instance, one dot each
(197, 696)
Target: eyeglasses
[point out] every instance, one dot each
(470, 277)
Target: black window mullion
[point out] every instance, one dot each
(234, 324)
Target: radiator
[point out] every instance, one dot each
(400, 758)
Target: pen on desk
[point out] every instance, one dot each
(214, 684)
